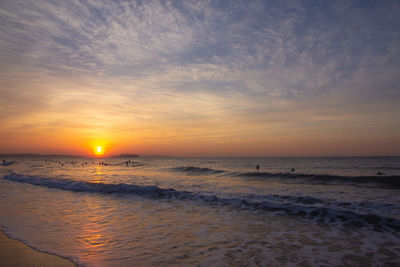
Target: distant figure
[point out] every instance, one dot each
(6, 163)
(257, 167)
(293, 170)
(380, 173)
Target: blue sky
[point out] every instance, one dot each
(253, 76)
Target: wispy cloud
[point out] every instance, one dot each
(240, 68)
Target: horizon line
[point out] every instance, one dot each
(193, 156)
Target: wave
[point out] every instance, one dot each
(383, 168)
(296, 206)
(196, 170)
(392, 181)
(81, 186)
(376, 168)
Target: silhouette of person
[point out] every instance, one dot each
(257, 167)
(293, 170)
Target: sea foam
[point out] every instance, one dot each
(304, 207)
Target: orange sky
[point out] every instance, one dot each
(155, 78)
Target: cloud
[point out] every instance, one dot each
(227, 65)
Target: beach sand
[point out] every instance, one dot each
(16, 253)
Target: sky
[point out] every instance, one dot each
(200, 78)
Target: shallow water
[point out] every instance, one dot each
(164, 211)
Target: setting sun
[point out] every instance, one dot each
(99, 151)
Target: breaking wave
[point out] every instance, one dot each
(304, 207)
(392, 181)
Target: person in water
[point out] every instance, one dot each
(257, 167)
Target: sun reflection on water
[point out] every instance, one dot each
(98, 175)
(93, 239)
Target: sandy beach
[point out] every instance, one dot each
(16, 253)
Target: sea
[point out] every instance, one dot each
(162, 211)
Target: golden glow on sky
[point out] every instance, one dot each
(100, 78)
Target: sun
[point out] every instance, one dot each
(98, 150)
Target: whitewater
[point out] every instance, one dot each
(205, 211)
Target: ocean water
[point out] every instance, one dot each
(206, 211)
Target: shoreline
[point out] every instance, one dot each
(16, 253)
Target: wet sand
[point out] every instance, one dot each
(16, 253)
